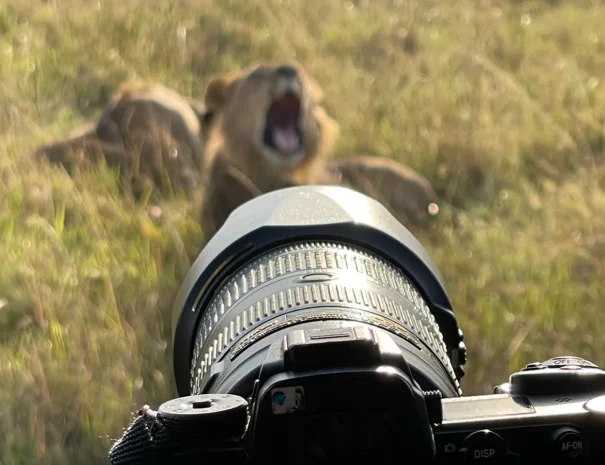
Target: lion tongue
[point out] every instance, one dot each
(286, 139)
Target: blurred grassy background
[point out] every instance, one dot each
(499, 103)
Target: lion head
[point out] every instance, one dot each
(267, 120)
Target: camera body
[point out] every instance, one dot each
(548, 410)
(315, 328)
(347, 390)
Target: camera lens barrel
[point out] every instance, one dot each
(314, 282)
(311, 254)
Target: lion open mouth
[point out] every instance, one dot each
(282, 132)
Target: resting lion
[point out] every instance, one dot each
(153, 134)
(408, 195)
(267, 131)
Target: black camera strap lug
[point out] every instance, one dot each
(145, 442)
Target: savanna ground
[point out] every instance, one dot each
(499, 103)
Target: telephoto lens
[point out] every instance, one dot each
(329, 317)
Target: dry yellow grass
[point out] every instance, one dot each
(499, 103)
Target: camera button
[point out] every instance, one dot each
(484, 446)
(569, 443)
(534, 366)
(596, 405)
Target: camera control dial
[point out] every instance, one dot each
(208, 417)
(558, 375)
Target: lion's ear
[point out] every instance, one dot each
(219, 91)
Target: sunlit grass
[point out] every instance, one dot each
(499, 103)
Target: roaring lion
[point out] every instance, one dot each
(267, 130)
(153, 134)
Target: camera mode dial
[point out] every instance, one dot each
(205, 418)
(566, 374)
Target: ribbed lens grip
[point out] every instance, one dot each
(304, 276)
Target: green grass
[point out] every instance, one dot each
(499, 103)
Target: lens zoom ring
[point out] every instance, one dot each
(310, 257)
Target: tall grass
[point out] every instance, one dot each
(499, 103)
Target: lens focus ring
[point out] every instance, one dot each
(274, 284)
